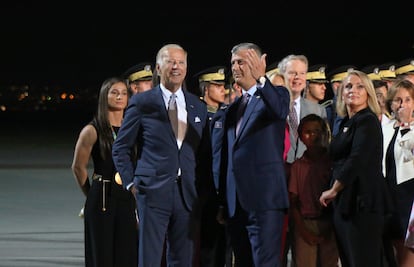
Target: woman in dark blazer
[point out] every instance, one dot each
(358, 188)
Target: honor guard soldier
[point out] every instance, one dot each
(316, 84)
(214, 250)
(335, 77)
(387, 73)
(315, 90)
(139, 77)
(212, 82)
(372, 71)
(381, 89)
(405, 69)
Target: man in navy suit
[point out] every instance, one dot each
(169, 165)
(255, 191)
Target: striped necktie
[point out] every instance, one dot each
(293, 120)
(173, 114)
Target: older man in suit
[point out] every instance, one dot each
(168, 128)
(254, 187)
(294, 69)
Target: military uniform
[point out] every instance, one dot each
(405, 69)
(138, 74)
(381, 77)
(214, 248)
(372, 71)
(335, 77)
(316, 82)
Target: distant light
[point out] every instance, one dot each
(71, 96)
(3, 108)
(21, 97)
(63, 96)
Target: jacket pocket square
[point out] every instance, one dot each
(197, 119)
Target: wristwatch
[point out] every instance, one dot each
(261, 80)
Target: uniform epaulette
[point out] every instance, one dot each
(327, 103)
(223, 107)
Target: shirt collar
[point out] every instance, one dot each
(167, 94)
(251, 91)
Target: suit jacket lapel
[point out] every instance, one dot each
(191, 114)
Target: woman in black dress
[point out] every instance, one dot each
(111, 235)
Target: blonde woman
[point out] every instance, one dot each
(358, 192)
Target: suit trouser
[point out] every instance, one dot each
(256, 237)
(172, 224)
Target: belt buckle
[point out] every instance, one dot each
(97, 177)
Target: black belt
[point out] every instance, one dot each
(98, 177)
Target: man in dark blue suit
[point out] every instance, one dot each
(254, 187)
(172, 161)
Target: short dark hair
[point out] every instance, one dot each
(326, 131)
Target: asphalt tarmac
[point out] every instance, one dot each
(39, 197)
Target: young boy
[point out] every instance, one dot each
(314, 238)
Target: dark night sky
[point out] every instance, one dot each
(82, 44)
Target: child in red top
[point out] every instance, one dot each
(314, 238)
